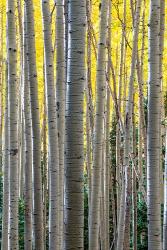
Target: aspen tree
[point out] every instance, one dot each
(107, 143)
(28, 148)
(98, 129)
(118, 134)
(124, 215)
(60, 102)
(89, 111)
(134, 182)
(37, 180)
(45, 166)
(52, 131)
(161, 117)
(74, 155)
(5, 211)
(13, 144)
(153, 156)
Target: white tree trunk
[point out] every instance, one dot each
(5, 211)
(13, 145)
(60, 102)
(124, 220)
(98, 130)
(74, 155)
(153, 155)
(37, 180)
(28, 149)
(52, 130)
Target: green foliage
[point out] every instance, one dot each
(21, 217)
(21, 224)
(141, 225)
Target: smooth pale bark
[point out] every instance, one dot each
(5, 211)
(153, 156)
(102, 205)
(45, 167)
(37, 180)
(142, 133)
(66, 35)
(13, 144)
(74, 155)
(52, 131)
(161, 117)
(89, 111)
(20, 104)
(118, 132)
(98, 130)
(60, 103)
(28, 149)
(107, 145)
(124, 215)
(134, 183)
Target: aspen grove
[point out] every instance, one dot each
(83, 125)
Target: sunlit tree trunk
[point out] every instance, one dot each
(107, 144)
(124, 215)
(45, 167)
(37, 180)
(13, 145)
(60, 102)
(28, 149)
(74, 155)
(120, 96)
(5, 211)
(98, 130)
(52, 131)
(153, 155)
(89, 108)
(162, 128)
(134, 183)
(124, 221)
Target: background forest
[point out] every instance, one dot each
(83, 142)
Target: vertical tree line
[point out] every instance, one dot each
(83, 143)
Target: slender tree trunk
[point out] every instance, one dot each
(98, 130)
(45, 168)
(134, 183)
(118, 133)
(28, 149)
(153, 164)
(53, 132)
(74, 155)
(66, 35)
(124, 218)
(13, 144)
(162, 128)
(89, 111)
(37, 180)
(60, 102)
(107, 144)
(5, 215)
